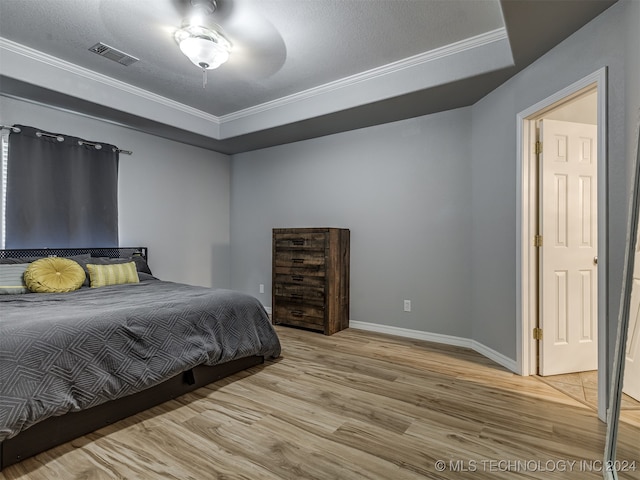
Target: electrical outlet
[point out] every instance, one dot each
(407, 305)
(262, 288)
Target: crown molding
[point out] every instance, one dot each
(486, 38)
(422, 59)
(50, 60)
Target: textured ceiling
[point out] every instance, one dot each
(280, 49)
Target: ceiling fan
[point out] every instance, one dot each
(254, 42)
(205, 46)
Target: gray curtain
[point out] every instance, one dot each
(60, 194)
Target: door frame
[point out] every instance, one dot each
(526, 223)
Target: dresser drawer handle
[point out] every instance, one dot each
(298, 260)
(297, 241)
(297, 313)
(297, 295)
(297, 278)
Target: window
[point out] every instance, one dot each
(4, 146)
(58, 191)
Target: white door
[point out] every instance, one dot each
(631, 384)
(568, 225)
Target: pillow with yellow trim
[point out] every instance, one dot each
(113, 274)
(54, 275)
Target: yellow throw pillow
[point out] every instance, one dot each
(54, 275)
(113, 274)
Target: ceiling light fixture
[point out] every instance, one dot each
(206, 47)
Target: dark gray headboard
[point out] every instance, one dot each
(111, 252)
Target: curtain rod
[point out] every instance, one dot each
(60, 138)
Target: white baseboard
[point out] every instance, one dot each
(499, 358)
(491, 354)
(417, 334)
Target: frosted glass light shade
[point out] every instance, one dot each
(205, 48)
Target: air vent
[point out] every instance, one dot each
(113, 54)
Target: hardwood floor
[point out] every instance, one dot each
(355, 405)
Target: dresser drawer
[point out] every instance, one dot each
(301, 240)
(287, 292)
(317, 271)
(299, 315)
(299, 279)
(299, 259)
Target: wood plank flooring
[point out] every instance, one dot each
(356, 405)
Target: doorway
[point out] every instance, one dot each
(581, 103)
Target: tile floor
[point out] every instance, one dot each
(583, 386)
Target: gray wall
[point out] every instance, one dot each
(403, 189)
(606, 41)
(582, 110)
(431, 202)
(171, 196)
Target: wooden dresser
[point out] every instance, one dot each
(311, 278)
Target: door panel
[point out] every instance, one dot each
(568, 223)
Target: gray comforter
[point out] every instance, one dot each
(68, 352)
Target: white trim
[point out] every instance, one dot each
(525, 225)
(489, 51)
(478, 347)
(268, 309)
(409, 62)
(74, 69)
(491, 354)
(416, 334)
(456, 48)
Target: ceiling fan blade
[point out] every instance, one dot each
(258, 48)
(181, 8)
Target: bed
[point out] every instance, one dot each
(73, 362)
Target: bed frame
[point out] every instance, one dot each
(111, 252)
(57, 430)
